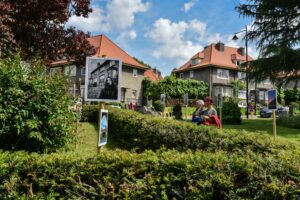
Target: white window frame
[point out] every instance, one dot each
(242, 94)
(219, 71)
(54, 70)
(70, 70)
(135, 73)
(262, 94)
(191, 74)
(240, 77)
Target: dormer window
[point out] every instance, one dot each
(196, 61)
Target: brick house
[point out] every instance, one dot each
(132, 71)
(218, 65)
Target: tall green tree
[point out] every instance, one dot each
(276, 28)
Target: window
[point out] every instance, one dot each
(135, 73)
(242, 94)
(241, 75)
(225, 91)
(191, 74)
(223, 74)
(83, 71)
(70, 70)
(261, 95)
(133, 94)
(267, 81)
(55, 70)
(181, 75)
(196, 61)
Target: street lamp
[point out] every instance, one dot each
(247, 87)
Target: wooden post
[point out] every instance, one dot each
(221, 116)
(274, 123)
(101, 106)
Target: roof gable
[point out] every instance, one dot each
(105, 47)
(213, 57)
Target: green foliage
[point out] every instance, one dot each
(89, 113)
(231, 113)
(161, 175)
(291, 95)
(295, 105)
(133, 130)
(291, 122)
(175, 88)
(237, 86)
(34, 108)
(177, 111)
(142, 62)
(158, 106)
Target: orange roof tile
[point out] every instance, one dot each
(105, 47)
(151, 74)
(213, 57)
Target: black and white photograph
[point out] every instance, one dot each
(102, 79)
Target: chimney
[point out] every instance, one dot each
(241, 51)
(220, 46)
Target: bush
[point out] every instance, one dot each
(295, 105)
(133, 130)
(160, 175)
(291, 95)
(291, 122)
(231, 113)
(158, 106)
(177, 111)
(89, 113)
(34, 108)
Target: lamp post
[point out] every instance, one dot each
(247, 86)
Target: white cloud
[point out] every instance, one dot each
(119, 16)
(121, 13)
(187, 6)
(172, 41)
(95, 21)
(128, 35)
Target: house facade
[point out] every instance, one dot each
(219, 65)
(132, 71)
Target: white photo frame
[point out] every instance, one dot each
(103, 79)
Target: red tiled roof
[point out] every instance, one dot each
(211, 56)
(151, 74)
(105, 47)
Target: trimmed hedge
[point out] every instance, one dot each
(231, 113)
(291, 122)
(133, 130)
(161, 175)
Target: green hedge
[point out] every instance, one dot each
(133, 130)
(161, 175)
(291, 122)
(231, 113)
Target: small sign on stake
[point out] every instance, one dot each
(103, 128)
(272, 105)
(186, 99)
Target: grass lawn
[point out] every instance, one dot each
(266, 126)
(87, 138)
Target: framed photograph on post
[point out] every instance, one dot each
(272, 99)
(163, 98)
(103, 79)
(103, 128)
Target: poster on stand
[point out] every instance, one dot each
(272, 99)
(103, 79)
(186, 99)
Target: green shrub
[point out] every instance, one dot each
(295, 105)
(160, 175)
(133, 130)
(34, 108)
(231, 113)
(158, 106)
(177, 112)
(89, 113)
(291, 95)
(291, 122)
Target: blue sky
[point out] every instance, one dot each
(165, 33)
